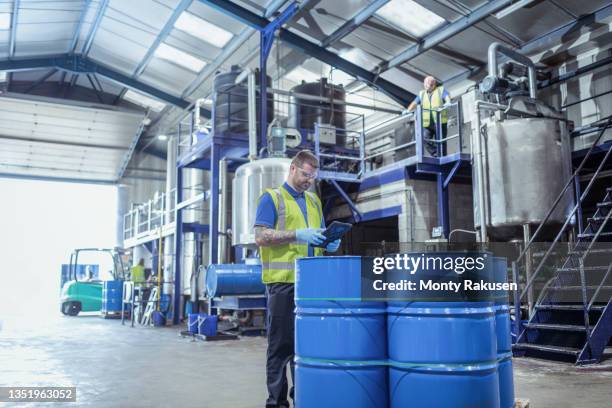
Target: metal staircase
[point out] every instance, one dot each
(571, 320)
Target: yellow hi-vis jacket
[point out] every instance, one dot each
(429, 102)
(138, 274)
(278, 261)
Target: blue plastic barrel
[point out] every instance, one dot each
(207, 325)
(112, 296)
(192, 322)
(504, 337)
(234, 280)
(442, 354)
(340, 341)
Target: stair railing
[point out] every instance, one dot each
(515, 264)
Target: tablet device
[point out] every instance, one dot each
(335, 231)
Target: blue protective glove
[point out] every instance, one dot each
(333, 246)
(311, 236)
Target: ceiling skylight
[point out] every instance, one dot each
(300, 74)
(143, 100)
(410, 17)
(203, 30)
(359, 57)
(179, 57)
(5, 21)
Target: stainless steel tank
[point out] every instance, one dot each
(195, 181)
(249, 182)
(526, 165)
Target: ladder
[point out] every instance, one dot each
(146, 318)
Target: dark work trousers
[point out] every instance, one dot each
(430, 133)
(281, 331)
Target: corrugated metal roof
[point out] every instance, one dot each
(124, 35)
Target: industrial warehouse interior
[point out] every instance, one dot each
(306, 203)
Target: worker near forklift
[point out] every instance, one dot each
(433, 97)
(138, 273)
(289, 221)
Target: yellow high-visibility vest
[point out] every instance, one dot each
(433, 101)
(278, 261)
(138, 274)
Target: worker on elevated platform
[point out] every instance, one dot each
(433, 97)
(289, 221)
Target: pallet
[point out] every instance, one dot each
(521, 403)
(219, 336)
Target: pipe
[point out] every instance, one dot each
(496, 48)
(168, 274)
(222, 247)
(252, 106)
(478, 163)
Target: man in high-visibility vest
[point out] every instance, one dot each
(138, 273)
(433, 97)
(289, 220)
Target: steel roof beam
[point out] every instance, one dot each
(445, 32)
(253, 20)
(161, 37)
(349, 26)
(40, 80)
(81, 65)
(13, 33)
(95, 27)
(77, 31)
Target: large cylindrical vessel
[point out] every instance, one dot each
(304, 112)
(231, 104)
(234, 280)
(442, 354)
(504, 339)
(250, 180)
(195, 181)
(340, 341)
(527, 163)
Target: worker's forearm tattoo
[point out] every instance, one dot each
(267, 236)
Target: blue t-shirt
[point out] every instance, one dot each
(266, 211)
(445, 95)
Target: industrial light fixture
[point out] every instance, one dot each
(144, 101)
(512, 8)
(410, 16)
(176, 56)
(203, 30)
(5, 21)
(162, 137)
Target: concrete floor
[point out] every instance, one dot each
(115, 366)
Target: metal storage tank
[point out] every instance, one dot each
(195, 181)
(304, 113)
(527, 163)
(449, 346)
(250, 180)
(231, 103)
(504, 338)
(340, 342)
(234, 280)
